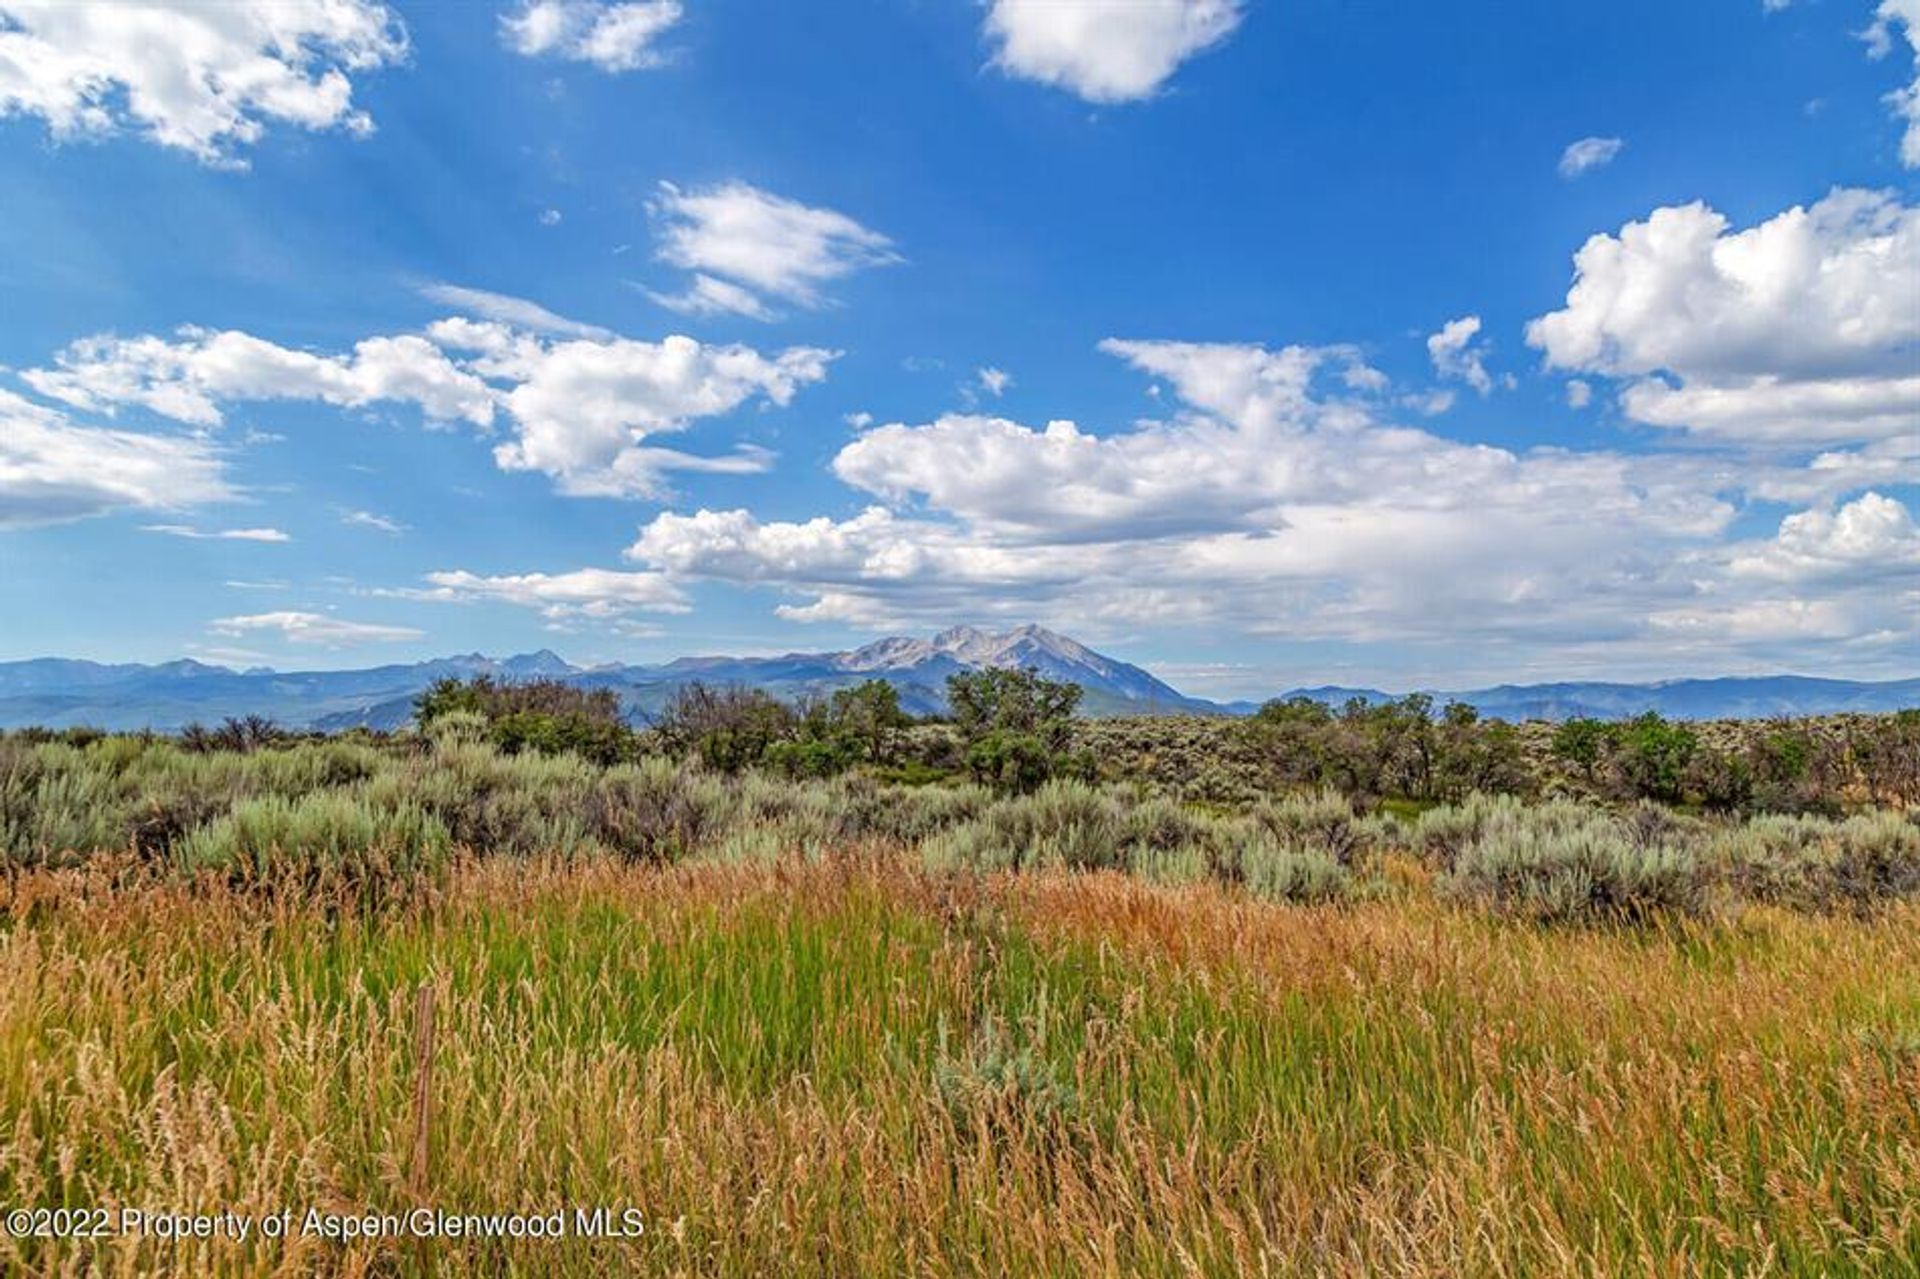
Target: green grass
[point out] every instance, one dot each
(854, 1067)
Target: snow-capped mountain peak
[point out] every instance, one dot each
(1033, 647)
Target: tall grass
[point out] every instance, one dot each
(858, 1067)
(847, 1027)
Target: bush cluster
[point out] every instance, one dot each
(1561, 862)
(283, 809)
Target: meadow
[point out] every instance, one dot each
(851, 1025)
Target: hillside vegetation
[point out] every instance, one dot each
(824, 990)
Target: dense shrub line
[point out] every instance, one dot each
(1409, 751)
(1014, 730)
(350, 812)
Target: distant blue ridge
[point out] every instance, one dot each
(59, 692)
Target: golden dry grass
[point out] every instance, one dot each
(855, 1067)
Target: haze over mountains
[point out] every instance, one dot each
(59, 692)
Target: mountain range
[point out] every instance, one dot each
(59, 692)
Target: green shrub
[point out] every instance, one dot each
(1320, 823)
(1592, 872)
(546, 716)
(518, 805)
(1063, 824)
(455, 728)
(1654, 756)
(1282, 871)
(1809, 863)
(1158, 826)
(334, 839)
(655, 811)
(812, 757)
(58, 805)
(1583, 743)
(1014, 763)
(727, 729)
(905, 814)
(1004, 1086)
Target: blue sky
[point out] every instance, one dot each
(339, 333)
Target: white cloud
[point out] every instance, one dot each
(582, 408)
(53, 470)
(1873, 536)
(227, 655)
(1588, 154)
(218, 535)
(311, 628)
(1105, 50)
(1905, 101)
(613, 37)
(188, 378)
(203, 78)
(834, 609)
(550, 217)
(589, 593)
(1836, 472)
(372, 520)
(1456, 355)
(744, 244)
(1787, 619)
(518, 312)
(1362, 377)
(1579, 394)
(705, 295)
(1430, 403)
(1272, 503)
(994, 381)
(1802, 329)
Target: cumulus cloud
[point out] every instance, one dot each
(1799, 330)
(1901, 17)
(206, 79)
(582, 408)
(53, 469)
(194, 533)
(1588, 154)
(994, 381)
(1272, 502)
(1105, 51)
(745, 245)
(1456, 354)
(612, 37)
(590, 593)
(188, 377)
(1873, 536)
(311, 628)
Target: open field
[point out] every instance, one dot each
(852, 1066)
(843, 1025)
